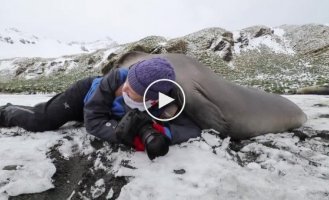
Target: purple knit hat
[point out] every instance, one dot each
(145, 72)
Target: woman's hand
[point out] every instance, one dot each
(129, 125)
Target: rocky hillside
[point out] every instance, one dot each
(280, 59)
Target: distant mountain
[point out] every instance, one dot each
(15, 43)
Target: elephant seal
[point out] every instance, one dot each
(215, 103)
(317, 89)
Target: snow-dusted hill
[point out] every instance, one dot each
(276, 59)
(290, 165)
(15, 43)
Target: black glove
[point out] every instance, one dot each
(128, 127)
(156, 144)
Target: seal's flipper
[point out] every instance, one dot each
(213, 119)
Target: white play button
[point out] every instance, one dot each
(164, 100)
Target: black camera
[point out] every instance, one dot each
(156, 143)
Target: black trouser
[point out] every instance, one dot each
(50, 115)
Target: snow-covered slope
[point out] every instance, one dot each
(290, 165)
(280, 59)
(15, 43)
(273, 39)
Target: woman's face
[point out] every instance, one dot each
(131, 93)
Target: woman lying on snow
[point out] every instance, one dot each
(112, 109)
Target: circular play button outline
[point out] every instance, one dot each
(182, 108)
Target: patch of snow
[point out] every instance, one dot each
(309, 104)
(7, 67)
(212, 140)
(95, 45)
(105, 56)
(236, 47)
(70, 197)
(162, 43)
(253, 165)
(26, 100)
(72, 66)
(98, 189)
(110, 194)
(28, 152)
(236, 35)
(52, 66)
(268, 41)
(279, 32)
(231, 65)
(24, 164)
(98, 164)
(77, 144)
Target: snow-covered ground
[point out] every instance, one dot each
(290, 165)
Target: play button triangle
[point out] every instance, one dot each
(164, 100)
(157, 109)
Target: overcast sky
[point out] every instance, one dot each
(130, 20)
